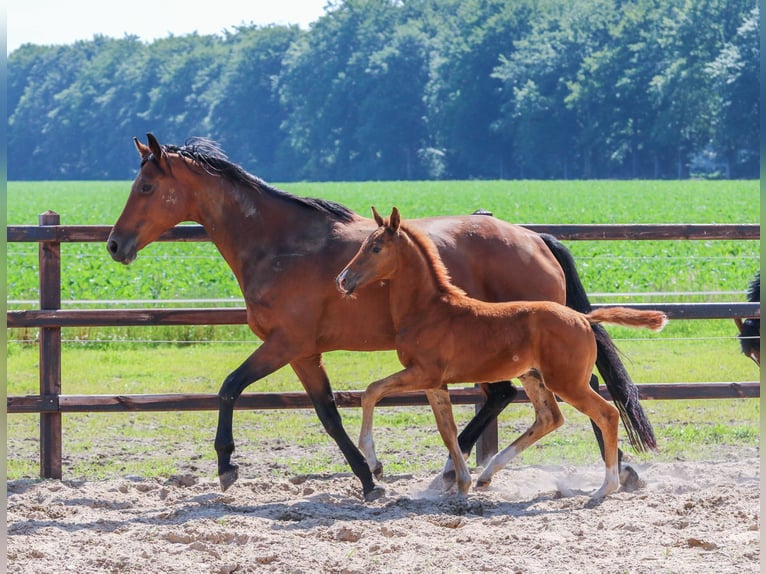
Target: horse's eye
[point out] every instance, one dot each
(375, 249)
(146, 188)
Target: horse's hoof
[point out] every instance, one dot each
(482, 484)
(377, 472)
(629, 479)
(228, 477)
(374, 494)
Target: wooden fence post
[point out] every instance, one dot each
(50, 354)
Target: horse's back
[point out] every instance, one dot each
(493, 260)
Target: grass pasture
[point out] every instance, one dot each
(196, 359)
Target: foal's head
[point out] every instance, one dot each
(376, 259)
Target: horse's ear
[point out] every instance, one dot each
(154, 146)
(394, 220)
(143, 150)
(376, 216)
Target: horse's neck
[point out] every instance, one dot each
(243, 223)
(414, 289)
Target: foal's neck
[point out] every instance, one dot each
(422, 278)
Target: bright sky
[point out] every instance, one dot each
(65, 21)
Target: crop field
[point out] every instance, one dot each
(161, 271)
(196, 359)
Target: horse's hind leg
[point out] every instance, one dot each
(498, 396)
(548, 418)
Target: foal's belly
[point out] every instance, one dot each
(488, 371)
(492, 374)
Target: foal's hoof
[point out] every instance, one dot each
(228, 477)
(377, 472)
(374, 494)
(629, 479)
(482, 483)
(449, 478)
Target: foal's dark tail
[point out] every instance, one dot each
(623, 390)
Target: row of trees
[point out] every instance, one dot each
(412, 89)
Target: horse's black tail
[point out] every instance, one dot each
(623, 390)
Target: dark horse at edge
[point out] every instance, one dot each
(750, 328)
(285, 251)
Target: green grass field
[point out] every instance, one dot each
(196, 359)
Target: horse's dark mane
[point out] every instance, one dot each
(434, 262)
(208, 155)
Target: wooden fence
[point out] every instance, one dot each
(50, 318)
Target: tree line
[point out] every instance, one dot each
(412, 89)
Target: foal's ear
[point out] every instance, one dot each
(376, 216)
(394, 220)
(143, 150)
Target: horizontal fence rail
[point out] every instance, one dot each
(50, 319)
(344, 399)
(592, 232)
(238, 315)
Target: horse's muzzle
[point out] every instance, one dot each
(121, 250)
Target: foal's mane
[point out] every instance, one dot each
(208, 155)
(434, 262)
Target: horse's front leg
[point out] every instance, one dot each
(265, 360)
(312, 374)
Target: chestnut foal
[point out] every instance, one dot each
(444, 336)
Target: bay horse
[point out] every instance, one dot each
(444, 336)
(750, 328)
(285, 252)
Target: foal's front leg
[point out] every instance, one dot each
(445, 421)
(497, 396)
(406, 380)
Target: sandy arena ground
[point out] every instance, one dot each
(688, 518)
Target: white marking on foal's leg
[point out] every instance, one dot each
(499, 461)
(449, 473)
(611, 483)
(367, 446)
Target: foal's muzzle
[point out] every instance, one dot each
(345, 284)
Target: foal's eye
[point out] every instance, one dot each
(375, 249)
(146, 187)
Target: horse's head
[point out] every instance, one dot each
(157, 202)
(376, 259)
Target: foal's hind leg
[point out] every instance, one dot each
(548, 418)
(605, 415)
(628, 476)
